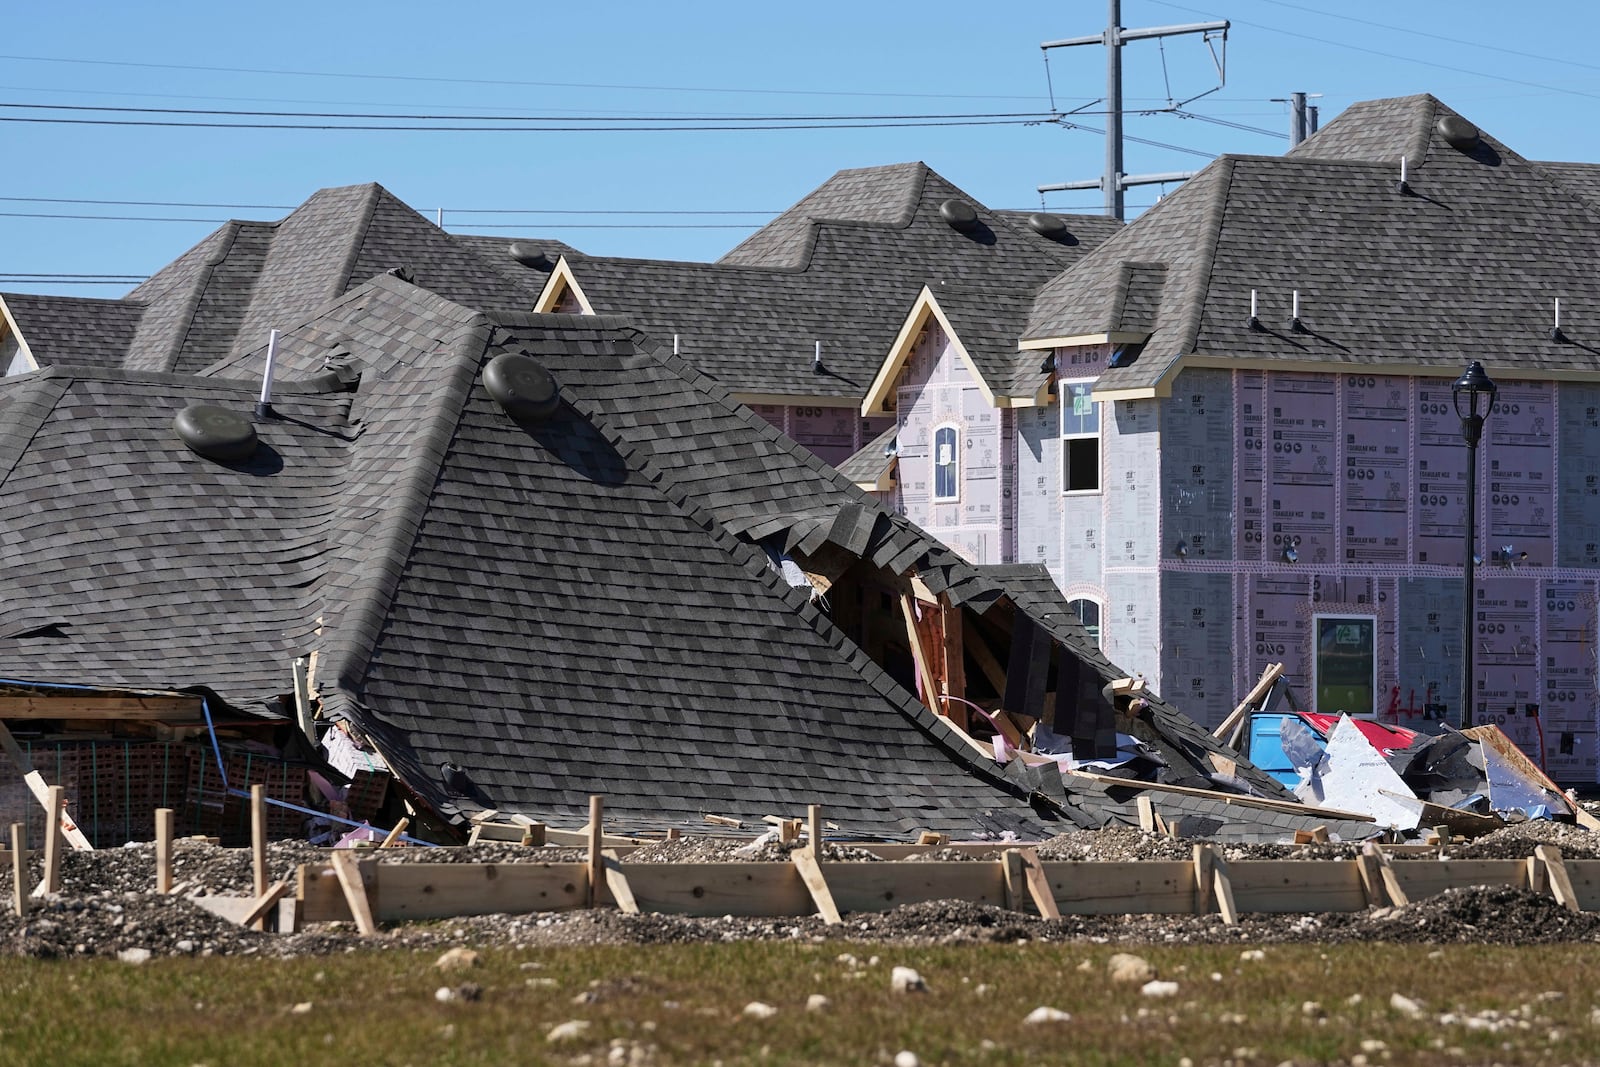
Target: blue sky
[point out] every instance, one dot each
(1533, 82)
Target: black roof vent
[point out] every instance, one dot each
(522, 387)
(530, 255)
(216, 433)
(1047, 225)
(1458, 133)
(959, 214)
(405, 274)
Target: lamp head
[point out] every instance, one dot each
(1469, 388)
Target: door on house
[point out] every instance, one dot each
(1345, 664)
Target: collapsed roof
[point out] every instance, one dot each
(516, 613)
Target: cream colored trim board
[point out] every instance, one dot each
(925, 307)
(1117, 337)
(22, 342)
(561, 279)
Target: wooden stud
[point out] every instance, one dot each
(955, 670)
(302, 699)
(983, 656)
(164, 818)
(266, 902)
(814, 829)
(811, 874)
(1290, 806)
(723, 820)
(617, 883)
(930, 689)
(596, 861)
(19, 867)
(1044, 899)
(1222, 886)
(1560, 882)
(52, 839)
(393, 836)
(348, 871)
(1203, 863)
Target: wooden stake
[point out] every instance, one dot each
(1538, 876)
(258, 842)
(597, 871)
(400, 828)
(617, 882)
(354, 885)
(1391, 883)
(1147, 814)
(257, 915)
(1039, 889)
(816, 885)
(163, 850)
(1203, 857)
(1560, 883)
(1371, 875)
(1222, 885)
(19, 867)
(55, 805)
(1016, 878)
(814, 829)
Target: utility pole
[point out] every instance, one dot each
(1114, 182)
(1302, 117)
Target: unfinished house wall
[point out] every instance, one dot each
(1131, 521)
(949, 459)
(1348, 498)
(833, 433)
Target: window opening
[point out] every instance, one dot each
(1346, 664)
(946, 463)
(1080, 438)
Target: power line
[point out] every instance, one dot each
(499, 82)
(349, 128)
(447, 208)
(462, 117)
(549, 225)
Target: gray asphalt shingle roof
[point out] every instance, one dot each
(1469, 259)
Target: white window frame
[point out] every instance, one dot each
(1316, 660)
(1064, 394)
(933, 460)
(1099, 631)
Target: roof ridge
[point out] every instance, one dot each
(25, 415)
(191, 304)
(352, 254)
(395, 534)
(1216, 209)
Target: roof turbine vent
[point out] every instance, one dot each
(959, 214)
(522, 387)
(1047, 225)
(216, 433)
(1458, 133)
(530, 255)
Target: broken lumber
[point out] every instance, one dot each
(1257, 693)
(393, 836)
(1044, 899)
(1222, 887)
(930, 690)
(723, 820)
(302, 699)
(1147, 813)
(1391, 883)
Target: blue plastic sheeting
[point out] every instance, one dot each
(1266, 748)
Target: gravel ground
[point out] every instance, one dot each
(108, 906)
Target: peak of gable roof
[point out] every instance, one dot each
(885, 195)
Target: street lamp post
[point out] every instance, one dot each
(1471, 392)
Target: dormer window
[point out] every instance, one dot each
(1080, 438)
(946, 463)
